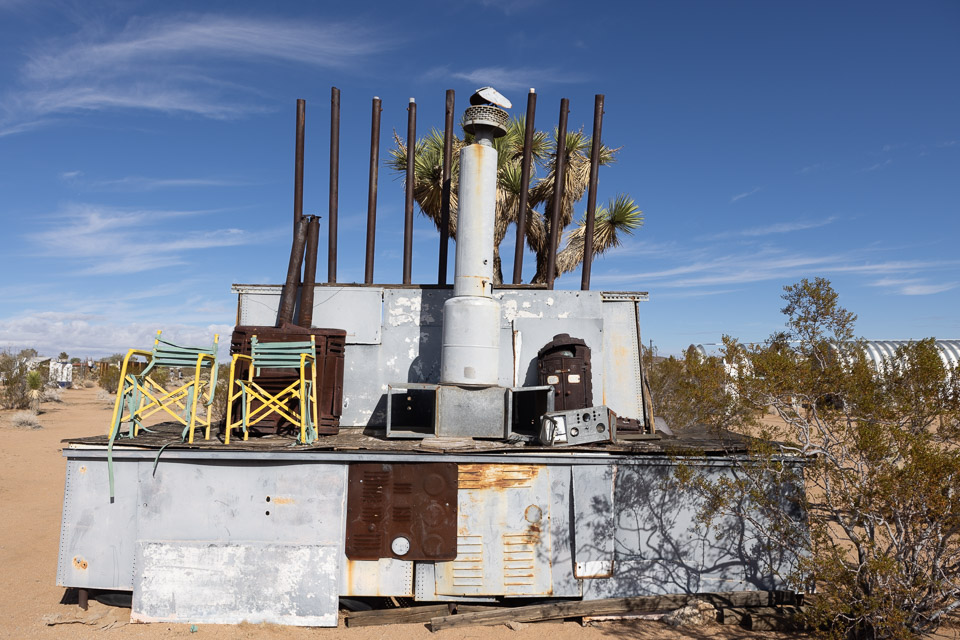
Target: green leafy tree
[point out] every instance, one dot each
(620, 216)
(881, 454)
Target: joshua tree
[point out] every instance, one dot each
(620, 216)
(35, 385)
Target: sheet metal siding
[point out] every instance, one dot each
(97, 537)
(623, 390)
(220, 498)
(215, 582)
(660, 548)
(406, 345)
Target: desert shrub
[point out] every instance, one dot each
(218, 412)
(880, 453)
(160, 375)
(25, 420)
(694, 390)
(105, 396)
(16, 394)
(110, 379)
(54, 394)
(89, 384)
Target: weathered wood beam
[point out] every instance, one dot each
(609, 606)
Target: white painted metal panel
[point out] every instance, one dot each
(622, 388)
(216, 582)
(383, 577)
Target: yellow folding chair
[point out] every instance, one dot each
(139, 396)
(295, 402)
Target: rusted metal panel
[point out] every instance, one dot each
(564, 363)
(330, 356)
(402, 511)
(503, 533)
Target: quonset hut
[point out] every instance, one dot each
(474, 444)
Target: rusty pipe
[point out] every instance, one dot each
(524, 186)
(309, 272)
(408, 201)
(288, 295)
(334, 183)
(298, 167)
(372, 190)
(559, 177)
(592, 193)
(445, 189)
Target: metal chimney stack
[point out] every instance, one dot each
(471, 318)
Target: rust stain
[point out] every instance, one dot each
(83, 469)
(284, 500)
(79, 563)
(497, 476)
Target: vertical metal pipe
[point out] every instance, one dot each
(592, 193)
(408, 201)
(298, 167)
(83, 598)
(525, 186)
(445, 189)
(372, 190)
(334, 183)
(559, 178)
(309, 272)
(288, 295)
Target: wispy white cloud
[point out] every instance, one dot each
(96, 335)
(173, 65)
(745, 194)
(811, 168)
(507, 78)
(771, 229)
(914, 286)
(698, 268)
(877, 166)
(928, 289)
(98, 236)
(141, 183)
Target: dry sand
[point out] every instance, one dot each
(31, 497)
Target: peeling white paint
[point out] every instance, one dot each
(404, 311)
(526, 304)
(549, 302)
(511, 312)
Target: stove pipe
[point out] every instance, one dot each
(470, 354)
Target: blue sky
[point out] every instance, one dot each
(146, 152)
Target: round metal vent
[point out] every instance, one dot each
(485, 116)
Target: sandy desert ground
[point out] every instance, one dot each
(31, 495)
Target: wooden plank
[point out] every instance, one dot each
(609, 606)
(403, 615)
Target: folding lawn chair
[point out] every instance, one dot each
(140, 396)
(295, 402)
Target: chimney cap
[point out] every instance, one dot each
(489, 96)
